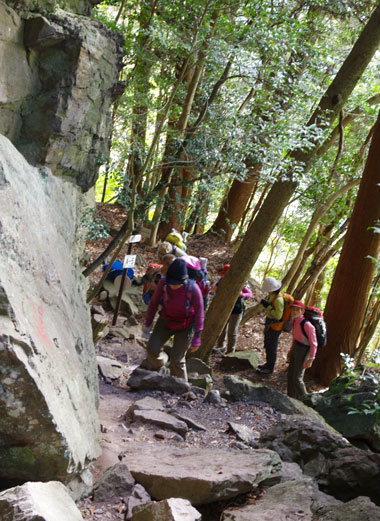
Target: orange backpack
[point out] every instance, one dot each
(285, 324)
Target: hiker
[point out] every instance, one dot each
(302, 351)
(232, 326)
(181, 316)
(274, 306)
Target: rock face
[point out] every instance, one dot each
(38, 501)
(196, 474)
(293, 500)
(340, 469)
(56, 87)
(49, 391)
(344, 395)
(59, 77)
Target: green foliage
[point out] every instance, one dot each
(95, 228)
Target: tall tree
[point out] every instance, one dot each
(348, 296)
(328, 108)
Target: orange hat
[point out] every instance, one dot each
(224, 270)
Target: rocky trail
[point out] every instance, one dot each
(163, 438)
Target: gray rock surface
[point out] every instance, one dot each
(139, 496)
(150, 380)
(195, 365)
(244, 433)
(291, 501)
(49, 428)
(243, 390)
(161, 419)
(343, 396)
(340, 469)
(38, 502)
(57, 116)
(197, 474)
(116, 481)
(173, 509)
(358, 509)
(109, 368)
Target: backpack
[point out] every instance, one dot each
(176, 238)
(199, 274)
(315, 316)
(152, 274)
(185, 323)
(238, 307)
(285, 324)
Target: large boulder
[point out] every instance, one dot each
(38, 501)
(198, 474)
(59, 78)
(49, 428)
(340, 469)
(292, 500)
(347, 395)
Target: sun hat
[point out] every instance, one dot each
(271, 284)
(224, 270)
(298, 304)
(177, 272)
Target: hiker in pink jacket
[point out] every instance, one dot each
(181, 316)
(302, 352)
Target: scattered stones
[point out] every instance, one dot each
(214, 397)
(116, 481)
(143, 379)
(195, 365)
(109, 368)
(192, 424)
(162, 419)
(244, 433)
(139, 496)
(173, 509)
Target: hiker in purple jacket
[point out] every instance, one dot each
(181, 316)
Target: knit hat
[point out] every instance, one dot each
(177, 272)
(298, 304)
(224, 270)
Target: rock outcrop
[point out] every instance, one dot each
(56, 87)
(49, 390)
(59, 77)
(42, 501)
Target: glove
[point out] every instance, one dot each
(265, 303)
(145, 329)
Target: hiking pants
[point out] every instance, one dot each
(271, 337)
(298, 355)
(231, 329)
(157, 358)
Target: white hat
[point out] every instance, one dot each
(271, 284)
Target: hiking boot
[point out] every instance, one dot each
(264, 370)
(262, 366)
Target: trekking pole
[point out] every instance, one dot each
(129, 262)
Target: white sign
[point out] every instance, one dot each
(129, 261)
(134, 238)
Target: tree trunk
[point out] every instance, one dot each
(233, 206)
(280, 193)
(347, 300)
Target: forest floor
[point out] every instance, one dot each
(116, 398)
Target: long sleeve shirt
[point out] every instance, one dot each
(276, 308)
(175, 308)
(310, 338)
